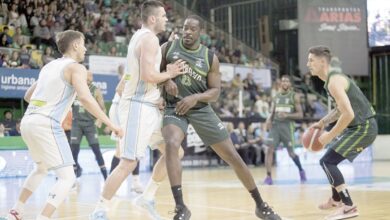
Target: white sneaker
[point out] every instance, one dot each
(98, 215)
(137, 187)
(149, 206)
(330, 204)
(344, 212)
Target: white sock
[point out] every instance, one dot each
(19, 207)
(151, 189)
(41, 217)
(102, 204)
(136, 178)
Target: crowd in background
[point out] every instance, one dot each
(28, 29)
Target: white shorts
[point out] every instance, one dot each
(141, 124)
(46, 141)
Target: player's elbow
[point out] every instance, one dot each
(350, 115)
(146, 76)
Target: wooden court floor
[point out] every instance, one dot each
(215, 193)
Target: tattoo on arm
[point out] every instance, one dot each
(331, 117)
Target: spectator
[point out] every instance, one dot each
(8, 122)
(4, 61)
(237, 82)
(6, 33)
(13, 16)
(47, 55)
(42, 35)
(262, 106)
(25, 58)
(17, 39)
(15, 59)
(3, 41)
(319, 109)
(16, 130)
(250, 86)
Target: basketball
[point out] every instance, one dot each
(310, 139)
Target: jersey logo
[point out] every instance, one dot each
(199, 62)
(186, 80)
(220, 125)
(175, 55)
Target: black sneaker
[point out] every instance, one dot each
(182, 213)
(78, 171)
(266, 213)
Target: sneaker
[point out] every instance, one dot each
(268, 180)
(182, 213)
(330, 204)
(98, 215)
(78, 171)
(302, 174)
(13, 215)
(149, 206)
(137, 187)
(344, 212)
(266, 213)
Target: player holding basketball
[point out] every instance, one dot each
(50, 100)
(356, 127)
(188, 98)
(285, 108)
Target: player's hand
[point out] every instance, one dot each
(318, 125)
(325, 138)
(179, 67)
(98, 123)
(185, 104)
(117, 131)
(173, 36)
(171, 88)
(161, 104)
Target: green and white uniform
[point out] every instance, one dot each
(282, 130)
(202, 117)
(363, 129)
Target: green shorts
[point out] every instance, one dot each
(205, 122)
(282, 132)
(355, 139)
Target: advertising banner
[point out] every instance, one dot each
(339, 24)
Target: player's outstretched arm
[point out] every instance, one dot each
(77, 76)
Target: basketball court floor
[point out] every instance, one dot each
(216, 193)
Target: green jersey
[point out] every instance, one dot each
(361, 106)
(284, 102)
(194, 81)
(79, 112)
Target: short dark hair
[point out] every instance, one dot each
(321, 51)
(65, 38)
(148, 7)
(198, 18)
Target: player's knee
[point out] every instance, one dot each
(172, 145)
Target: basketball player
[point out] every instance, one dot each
(188, 98)
(50, 100)
(355, 129)
(286, 107)
(139, 113)
(84, 125)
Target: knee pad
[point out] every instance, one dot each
(36, 176)
(65, 181)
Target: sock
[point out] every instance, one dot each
(256, 196)
(104, 172)
(345, 197)
(102, 204)
(151, 189)
(114, 163)
(335, 195)
(19, 207)
(269, 174)
(178, 195)
(297, 162)
(41, 217)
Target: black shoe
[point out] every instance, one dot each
(182, 213)
(78, 171)
(266, 213)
